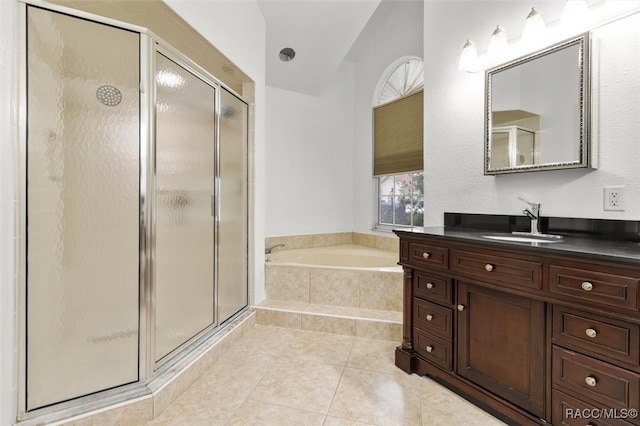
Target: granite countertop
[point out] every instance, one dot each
(593, 248)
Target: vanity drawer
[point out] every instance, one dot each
(604, 336)
(431, 256)
(433, 318)
(434, 349)
(498, 269)
(588, 284)
(433, 288)
(570, 411)
(604, 384)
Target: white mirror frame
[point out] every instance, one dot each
(584, 108)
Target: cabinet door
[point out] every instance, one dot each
(501, 344)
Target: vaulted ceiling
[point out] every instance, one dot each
(320, 31)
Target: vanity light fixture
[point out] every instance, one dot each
(287, 54)
(468, 57)
(498, 46)
(534, 29)
(575, 19)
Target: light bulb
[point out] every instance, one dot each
(468, 57)
(534, 29)
(498, 46)
(575, 16)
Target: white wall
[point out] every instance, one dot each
(394, 31)
(238, 30)
(454, 108)
(8, 132)
(309, 156)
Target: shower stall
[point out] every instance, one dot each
(134, 229)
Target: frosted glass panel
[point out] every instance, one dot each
(185, 136)
(83, 207)
(232, 238)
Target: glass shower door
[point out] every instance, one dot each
(184, 260)
(233, 209)
(82, 215)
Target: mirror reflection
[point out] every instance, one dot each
(537, 111)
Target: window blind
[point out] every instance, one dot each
(398, 136)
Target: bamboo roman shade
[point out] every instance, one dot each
(398, 136)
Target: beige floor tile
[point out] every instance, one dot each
(374, 355)
(299, 384)
(267, 340)
(198, 407)
(253, 413)
(442, 407)
(236, 373)
(320, 347)
(377, 398)
(336, 421)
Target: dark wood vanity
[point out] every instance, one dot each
(531, 333)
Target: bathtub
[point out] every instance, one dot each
(346, 256)
(346, 275)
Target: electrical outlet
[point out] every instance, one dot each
(614, 198)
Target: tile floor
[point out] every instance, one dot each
(278, 376)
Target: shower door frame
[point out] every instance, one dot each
(160, 47)
(148, 368)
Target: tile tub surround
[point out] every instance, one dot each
(291, 242)
(363, 302)
(279, 376)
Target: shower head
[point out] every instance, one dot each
(109, 95)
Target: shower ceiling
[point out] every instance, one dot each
(320, 31)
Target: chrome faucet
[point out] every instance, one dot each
(532, 213)
(268, 250)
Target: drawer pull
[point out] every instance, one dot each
(429, 348)
(426, 255)
(591, 332)
(587, 286)
(461, 308)
(429, 286)
(591, 381)
(429, 317)
(488, 267)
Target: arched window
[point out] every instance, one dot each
(398, 140)
(403, 77)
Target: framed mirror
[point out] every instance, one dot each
(538, 110)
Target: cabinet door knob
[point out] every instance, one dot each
(587, 286)
(591, 381)
(425, 255)
(591, 332)
(429, 286)
(429, 317)
(488, 267)
(429, 348)
(461, 308)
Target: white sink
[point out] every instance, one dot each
(523, 239)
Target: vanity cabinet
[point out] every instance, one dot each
(534, 336)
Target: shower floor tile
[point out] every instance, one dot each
(279, 376)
